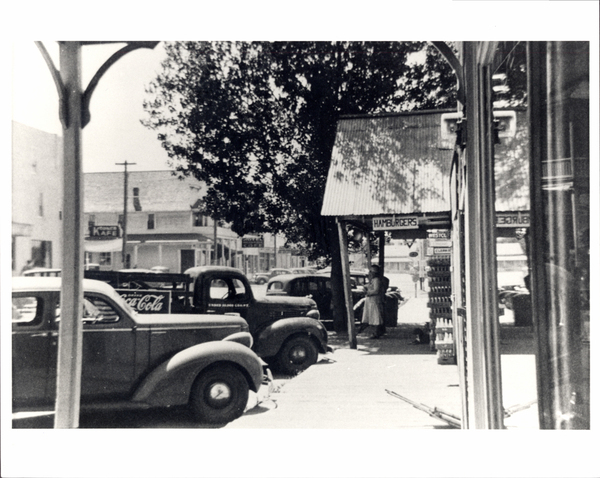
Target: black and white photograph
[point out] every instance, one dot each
(361, 254)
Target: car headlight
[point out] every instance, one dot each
(314, 314)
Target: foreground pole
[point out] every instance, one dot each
(68, 386)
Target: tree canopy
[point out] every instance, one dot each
(256, 121)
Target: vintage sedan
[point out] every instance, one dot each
(263, 277)
(201, 361)
(314, 286)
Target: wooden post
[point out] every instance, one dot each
(381, 251)
(346, 281)
(70, 332)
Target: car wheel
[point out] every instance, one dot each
(219, 395)
(296, 355)
(260, 281)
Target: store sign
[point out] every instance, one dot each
(389, 223)
(147, 301)
(442, 251)
(443, 234)
(250, 242)
(105, 231)
(512, 219)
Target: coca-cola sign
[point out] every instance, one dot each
(147, 301)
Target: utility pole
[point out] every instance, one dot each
(124, 225)
(214, 261)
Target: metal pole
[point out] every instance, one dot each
(70, 333)
(275, 248)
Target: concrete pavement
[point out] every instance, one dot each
(347, 388)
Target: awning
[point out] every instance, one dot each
(112, 245)
(392, 164)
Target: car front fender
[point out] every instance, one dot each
(270, 339)
(170, 383)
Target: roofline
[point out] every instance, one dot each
(420, 112)
(402, 113)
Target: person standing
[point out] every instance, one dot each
(373, 309)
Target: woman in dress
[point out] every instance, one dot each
(373, 310)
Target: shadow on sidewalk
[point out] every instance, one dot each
(397, 340)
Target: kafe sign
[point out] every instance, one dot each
(389, 223)
(147, 301)
(104, 231)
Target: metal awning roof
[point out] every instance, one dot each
(389, 164)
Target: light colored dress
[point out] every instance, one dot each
(373, 311)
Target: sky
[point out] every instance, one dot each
(114, 133)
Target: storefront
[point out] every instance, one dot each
(511, 167)
(550, 80)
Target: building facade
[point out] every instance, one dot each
(36, 198)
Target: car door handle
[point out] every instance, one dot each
(42, 334)
(158, 332)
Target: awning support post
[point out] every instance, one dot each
(343, 238)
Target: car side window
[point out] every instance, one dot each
(231, 289)
(328, 285)
(276, 286)
(313, 286)
(27, 311)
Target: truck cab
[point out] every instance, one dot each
(287, 331)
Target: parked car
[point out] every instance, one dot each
(314, 286)
(302, 270)
(263, 277)
(287, 331)
(201, 361)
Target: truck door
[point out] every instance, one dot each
(227, 295)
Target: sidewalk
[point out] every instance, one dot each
(346, 389)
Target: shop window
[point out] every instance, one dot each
(41, 253)
(151, 221)
(105, 258)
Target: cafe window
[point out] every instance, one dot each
(151, 221)
(105, 258)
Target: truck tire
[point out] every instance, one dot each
(219, 395)
(296, 355)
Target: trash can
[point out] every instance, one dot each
(521, 305)
(390, 309)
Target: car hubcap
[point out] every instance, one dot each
(298, 354)
(218, 394)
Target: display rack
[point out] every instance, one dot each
(440, 305)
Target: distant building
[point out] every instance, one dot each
(36, 198)
(166, 227)
(165, 223)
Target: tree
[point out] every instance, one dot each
(256, 122)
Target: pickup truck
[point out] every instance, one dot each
(132, 360)
(287, 331)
